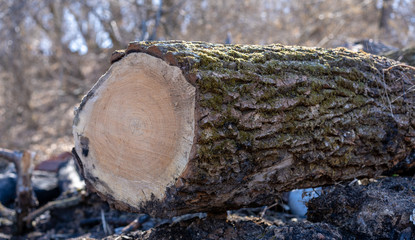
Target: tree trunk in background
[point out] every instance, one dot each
(385, 31)
(20, 87)
(385, 12)
(179, 127)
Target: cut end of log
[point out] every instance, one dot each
(134, 130)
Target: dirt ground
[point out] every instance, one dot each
(84, 221)
(366, 209)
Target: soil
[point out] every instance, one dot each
(367, 209)
(379, 210)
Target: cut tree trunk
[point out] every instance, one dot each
(181, 127)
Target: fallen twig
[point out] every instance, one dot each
(261, 215)
(400, 65)
(61, 203)
(185, 217)
(9, 155)
(134, 225)
(105, 226)
(113, 221)
(7, 213)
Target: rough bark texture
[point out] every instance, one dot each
(274, 118)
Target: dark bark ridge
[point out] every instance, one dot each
(274, 118)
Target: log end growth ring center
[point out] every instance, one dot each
(133, 129)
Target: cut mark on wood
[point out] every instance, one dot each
(135, 129)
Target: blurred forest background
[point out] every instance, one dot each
(53, 51)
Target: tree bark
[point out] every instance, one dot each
(180, 127)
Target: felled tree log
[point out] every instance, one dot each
(181, 127)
